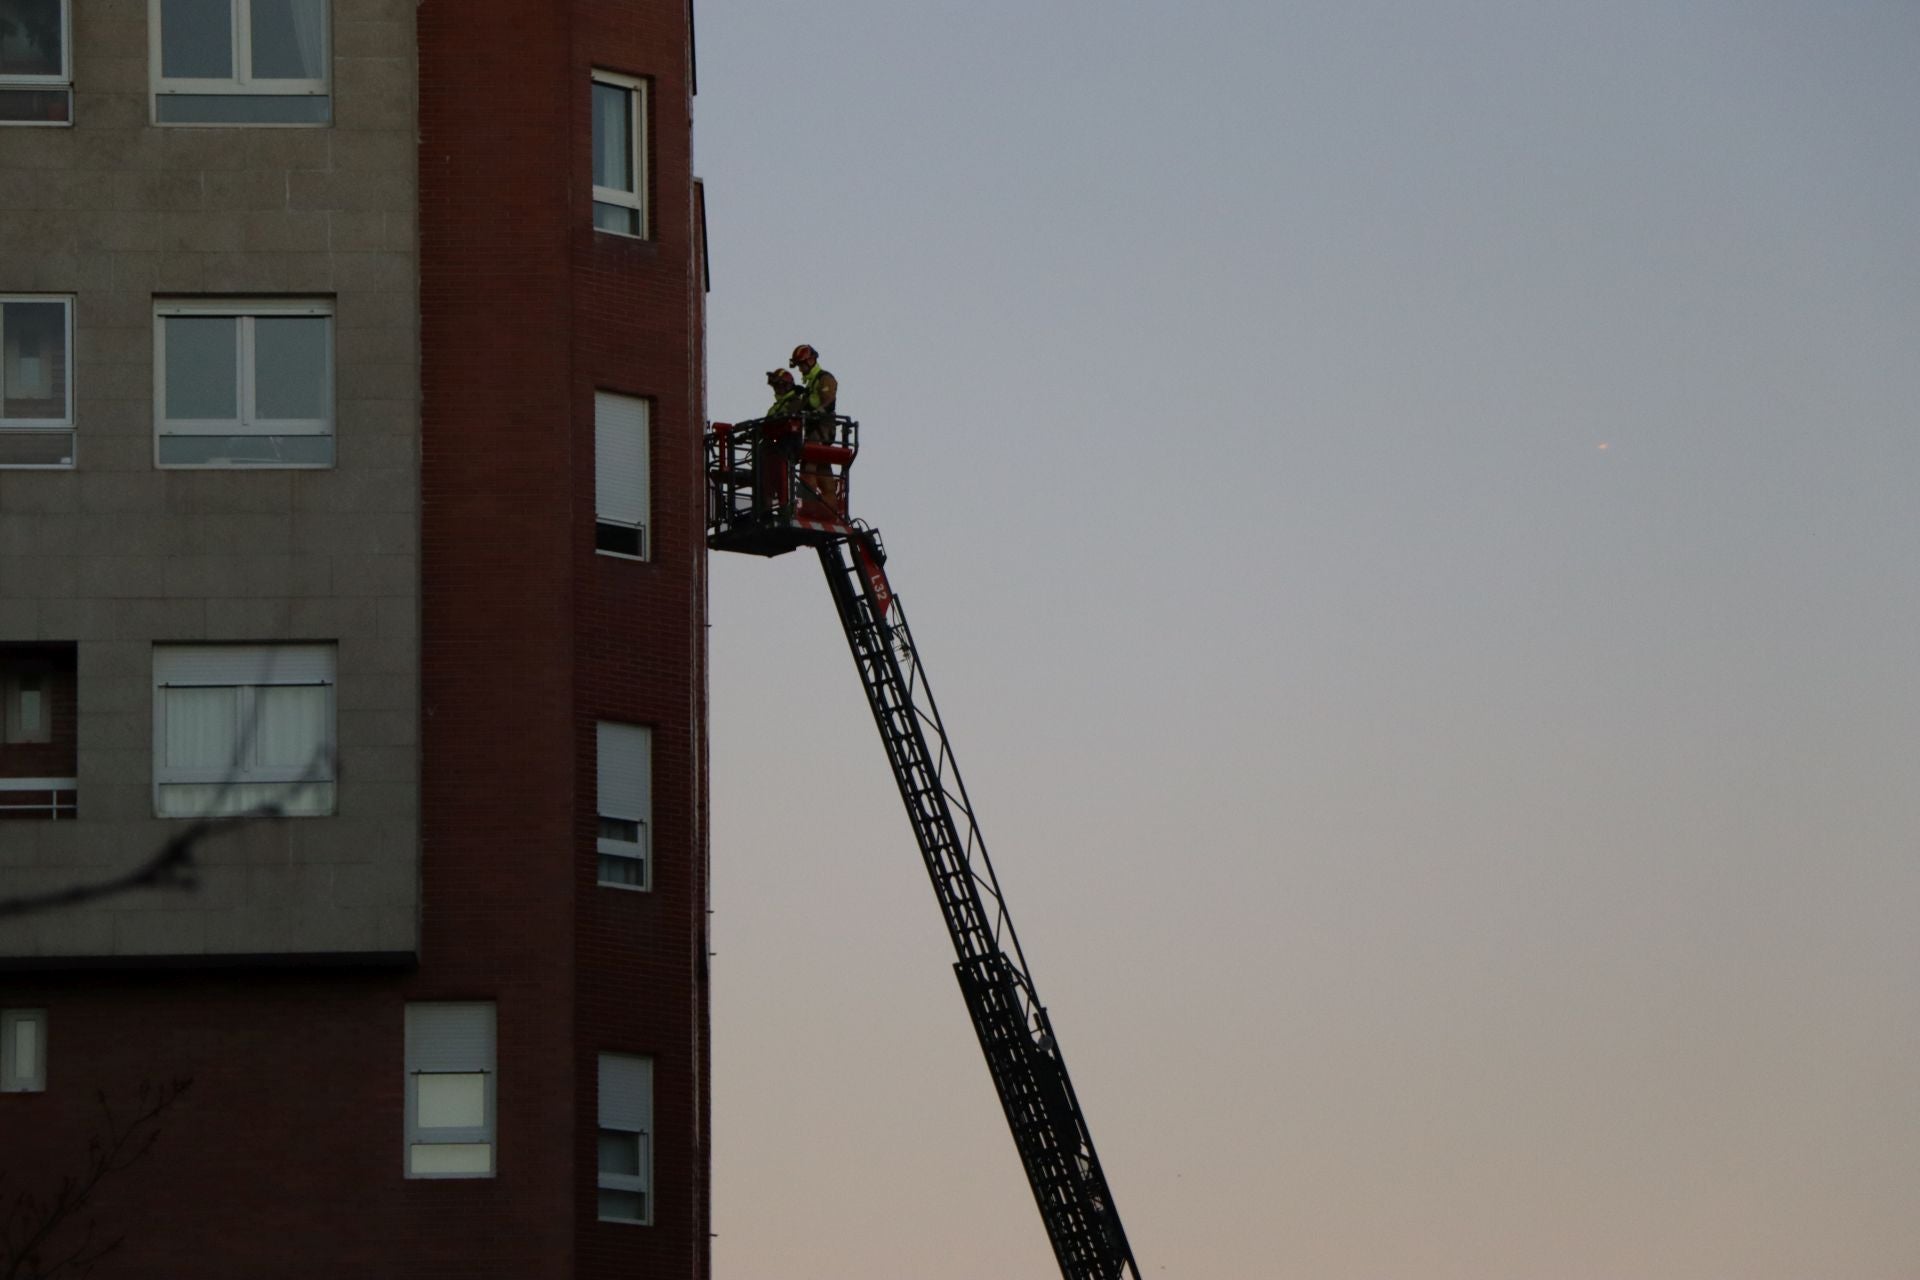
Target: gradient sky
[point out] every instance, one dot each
(1410, 513)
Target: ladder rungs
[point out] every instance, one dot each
(1031, 1082)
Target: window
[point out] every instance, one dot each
(624, 786)
(225, 62)
(37, 742)
(620, 485)
(23, 1050)
(36, 391)
(238, 727)
(450, 1090)
(626, 1138)
(245, 383)
(619, 154)
(36, 62)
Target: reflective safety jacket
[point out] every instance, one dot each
(822, 390)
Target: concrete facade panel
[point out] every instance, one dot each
(279, 229)
(117, 554)
(285, 150)
(252, 619)
(73, 933)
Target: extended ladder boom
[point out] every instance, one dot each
(775, 485)
(1015, 1034)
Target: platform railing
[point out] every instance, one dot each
(767, 470)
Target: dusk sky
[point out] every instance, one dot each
(1410, 514)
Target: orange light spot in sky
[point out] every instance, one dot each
(1604, 446)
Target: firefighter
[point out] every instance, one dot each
(779, 447)
(820, 391)
(822, 387)
(788, 399)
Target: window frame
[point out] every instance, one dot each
(640, 1183)
(41, 426)
(612, 808)
(242, 84)
(62, 80)
(12, 1080)
(486, 1065)
(637, 115)
(245, 712)
(245, 310)
(642, 503)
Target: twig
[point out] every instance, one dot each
(36, 1221)
(172, 865)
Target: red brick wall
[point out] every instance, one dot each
(640, 648)
(284, 1157)
(498, 433)
(530, 637)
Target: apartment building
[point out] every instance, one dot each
(350, 496)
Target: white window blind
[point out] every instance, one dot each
(621, 493)
(626, 1138)
(624, 791)
(238, 727)
(23, 1050)
(450, 1096)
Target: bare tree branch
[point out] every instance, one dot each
(172, 865)
(29, 1223)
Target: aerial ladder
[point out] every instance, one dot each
(775, 485)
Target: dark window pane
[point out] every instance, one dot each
(36, 106)
(620, 1152)
(623, 1206)
(619, 829)
(33, 363)
(612, 137)
(202, 367)
(622, 539)
(290, 367)
(241, 451)
(621, 870)
(613, 217)
(196, 39)
(243, 108)
(289, 39)
(36, 448)
(31, 38)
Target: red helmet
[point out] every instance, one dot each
(802, 352)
